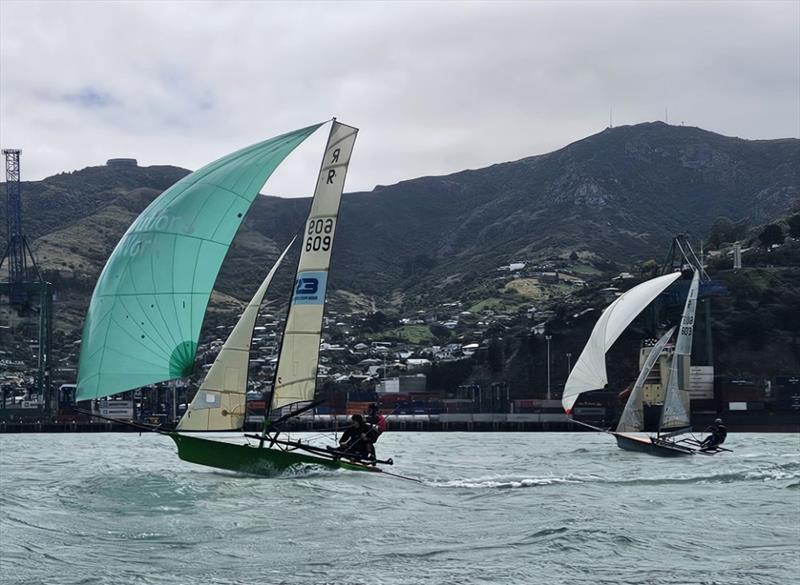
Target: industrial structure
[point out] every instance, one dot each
(28, 296)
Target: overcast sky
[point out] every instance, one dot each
(434, 87)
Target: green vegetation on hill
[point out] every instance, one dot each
(415, 334)
(607, 202)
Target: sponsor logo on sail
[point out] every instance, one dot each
(310, 288)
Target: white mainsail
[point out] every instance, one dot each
(219, 404)
(298, 359)
(589, 372)
(632, 418)
(675, 413)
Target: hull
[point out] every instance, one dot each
(251, 459)
(651, 447)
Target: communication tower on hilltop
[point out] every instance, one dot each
(28, 295)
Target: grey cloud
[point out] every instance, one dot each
(435, 87)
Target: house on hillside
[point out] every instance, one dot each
(549, 278)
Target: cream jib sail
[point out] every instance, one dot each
(632, 419)
(219, 404)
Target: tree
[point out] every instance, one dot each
(726, 230)
(649, 267)
(377, 321)
(419, 264)
(440, 332)
(496, 357)
(794, 225)
(449, 376)
(573, 257)
(721, 232)
(770, 235)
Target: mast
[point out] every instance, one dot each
(296, 372)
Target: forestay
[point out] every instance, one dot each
(147, 308)
(219, 404)
(675, 413)
(296, 376)
(589, 372)
(632, 418)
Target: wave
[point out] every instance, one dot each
(499, 482)
(775, 472)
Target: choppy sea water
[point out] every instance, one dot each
(546, 508)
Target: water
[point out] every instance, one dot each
(502, 508)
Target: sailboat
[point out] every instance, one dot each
(674, 420)
(144, 319)
(590, 370)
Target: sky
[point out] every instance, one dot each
(435, 87)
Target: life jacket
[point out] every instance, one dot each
(381, 424)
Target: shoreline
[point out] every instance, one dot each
(773, 423)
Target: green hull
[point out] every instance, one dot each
(251, 459)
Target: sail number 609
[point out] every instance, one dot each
(318, 235)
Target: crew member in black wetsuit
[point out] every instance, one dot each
(717, 436)
(358, 438)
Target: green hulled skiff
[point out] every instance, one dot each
(144, 320)
(252, 459)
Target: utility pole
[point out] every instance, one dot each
(569, 363)
(548, 338)
(173, 383)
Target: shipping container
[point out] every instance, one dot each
(356, 407)
(788, 381)
(743, 394)
(790, 403)
(362, 397)
(589, 412)
(393, 398)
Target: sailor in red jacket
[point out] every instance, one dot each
(374, 417)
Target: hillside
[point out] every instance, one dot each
(614, 197)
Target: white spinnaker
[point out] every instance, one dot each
(675, 413)
(219, 404)
(589, 372)
(632, 418)
(296, 377)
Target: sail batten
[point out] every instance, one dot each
(155, 287)
(589, 372)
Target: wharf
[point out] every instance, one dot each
(775, 422)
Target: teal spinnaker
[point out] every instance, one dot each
(143, 323)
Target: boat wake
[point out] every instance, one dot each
(499, 482)
(779, 473)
